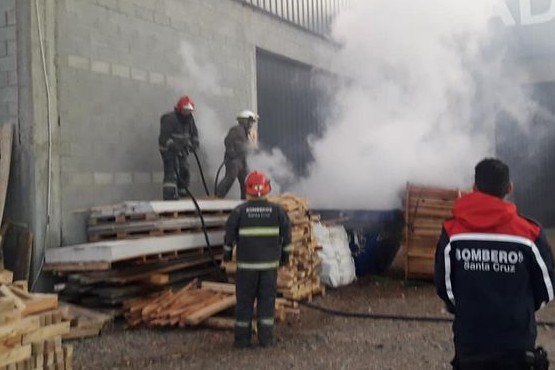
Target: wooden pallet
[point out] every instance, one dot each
(426, 208)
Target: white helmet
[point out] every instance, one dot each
(247, 114)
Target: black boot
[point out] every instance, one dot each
(242, 337)
(169, 192)
(265, 335)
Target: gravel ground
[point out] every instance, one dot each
(316, 341)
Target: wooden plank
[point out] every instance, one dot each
(40, 303)
(6, 276)
(224, 323)
(15, 355)
(218, 287)
(22, 326)
(77, 266)
(200, 315)
(137, 273)
(118, 250)
(46, 332)
(9, 294)
(6, 143)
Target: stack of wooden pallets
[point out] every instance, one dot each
(138, 248)
(426, 208)
(31, 330)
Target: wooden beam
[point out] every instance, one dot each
(6, 277)
(8, 293)
(218, 287)
(202, 314)
(46, 332)
(15, 355)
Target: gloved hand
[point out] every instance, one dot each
(172, 146)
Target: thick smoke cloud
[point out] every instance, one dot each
(423, 83)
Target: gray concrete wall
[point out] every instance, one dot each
(8, 62)
(121, 64)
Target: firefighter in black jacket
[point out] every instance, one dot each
(178, 137)
(261, 232)
(237, 145)
(493, 269)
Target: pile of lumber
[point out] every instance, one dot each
(300, 279)
(31, 330)
(138, 248)
(426, 208)
(193, 305)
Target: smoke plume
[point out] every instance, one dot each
(422, 85)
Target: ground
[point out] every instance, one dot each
(317, 341)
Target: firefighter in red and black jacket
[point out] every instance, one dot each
(178, 137)
(493, 269)
(261, 232)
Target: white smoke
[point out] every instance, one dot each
(201, 80)
(423, 85)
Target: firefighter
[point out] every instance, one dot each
(178, 137)
(493, 269)
(237, 145)
(261, 232)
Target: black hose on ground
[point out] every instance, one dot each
(373, 316)
(202, 174)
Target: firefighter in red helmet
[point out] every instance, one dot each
(261, 232)
(178, 137)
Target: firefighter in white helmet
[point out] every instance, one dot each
(236, 149)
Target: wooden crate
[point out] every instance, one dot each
(426, 208)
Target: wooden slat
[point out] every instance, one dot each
(15, 355)
(199, 316)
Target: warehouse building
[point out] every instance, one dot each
(84, 83)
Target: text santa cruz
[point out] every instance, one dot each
(478, 259)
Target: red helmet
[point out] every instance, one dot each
(185, 103)
(257, 184)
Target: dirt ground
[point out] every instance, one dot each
(317, 341)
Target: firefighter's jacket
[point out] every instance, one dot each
(261, 231)
(178, 134)
(493, 269)
(236, 143)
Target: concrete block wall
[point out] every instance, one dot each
(8, 63)
(123, 63)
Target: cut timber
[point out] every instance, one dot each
(218, 287)
(15, 355)
(119, 250)
(6, 277)
(198, 316)
(77, 266)
(39, 303)
(46, 332)
(6, 143)
(225, 323)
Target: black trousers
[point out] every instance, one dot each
(262, 286)
(234, 169)
(177, 176)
